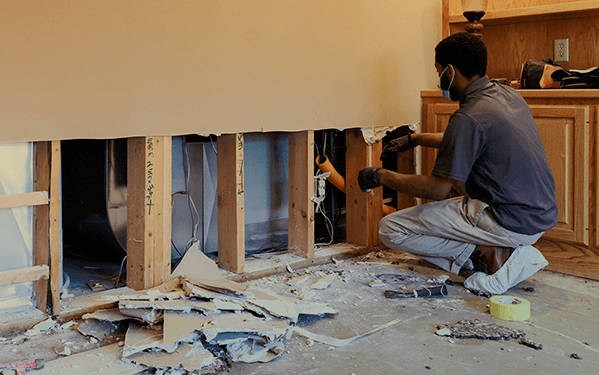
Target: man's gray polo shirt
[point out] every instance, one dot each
(492, 144)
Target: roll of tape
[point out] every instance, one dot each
(510, 308)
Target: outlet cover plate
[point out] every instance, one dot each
(560, 50)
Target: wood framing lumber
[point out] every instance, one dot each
(162, 251)
(230, 193)
(364, 210)
(301, 190)
(42, 221)
(22, 275)
(148, 211)
(35, 198)
(55, 227)
(405, 165)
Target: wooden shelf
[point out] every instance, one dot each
(536, 13)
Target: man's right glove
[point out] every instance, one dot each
(397, 145)
(367, 178)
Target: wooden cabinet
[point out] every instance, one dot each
(564, 131)
(567, 124)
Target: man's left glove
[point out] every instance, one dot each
(398, 145)
(367, 178)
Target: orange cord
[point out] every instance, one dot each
(339, 182)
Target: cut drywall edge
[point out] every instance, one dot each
(188, 357)
(184, 305)
(140, 338)
(112, 315)
(255, 350)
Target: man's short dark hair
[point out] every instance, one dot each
(465, 51)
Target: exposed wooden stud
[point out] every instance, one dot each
(42, 222)
(22, 275)
(55, 227)
(163, 206)
(405, 165)
(301, 190)
(230, 193)
(364, 210)
(148, 211)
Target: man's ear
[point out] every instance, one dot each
(455, 69)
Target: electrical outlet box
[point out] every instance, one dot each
(560, 50)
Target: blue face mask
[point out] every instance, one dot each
(445, 92)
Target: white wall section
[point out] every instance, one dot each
(16, 224)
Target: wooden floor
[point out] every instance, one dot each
(570, 259)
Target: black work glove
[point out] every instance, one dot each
(400, 144)
(367, 178)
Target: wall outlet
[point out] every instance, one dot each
(560, 50)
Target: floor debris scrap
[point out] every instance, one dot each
(476, 329)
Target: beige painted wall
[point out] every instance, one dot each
(116, 68)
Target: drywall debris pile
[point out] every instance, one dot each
(197, 320)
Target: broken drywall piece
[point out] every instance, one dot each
(184, 305)
(188, 357)
(374, 134)
(339, 342)
(245, 322)
(169, 290)
(90, 362)
(254, 349)
(323, 282)
(276, 305)
(112, 315)
(314, 308)
(99, 329)
(40, 327)
(221, 286)
(195, 291)
(197, 265)
(139, 338)
(146, 315)
(180, 327)
(287, 307)
(227, 338)
(376, 284)
(297, 280)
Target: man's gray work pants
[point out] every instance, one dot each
(446, 233)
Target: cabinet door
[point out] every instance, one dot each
(436, 117)
(564, 131)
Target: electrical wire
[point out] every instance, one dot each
(176, 249)
(212, 143)
(195, 216)
(329, 225)
(116, 284)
